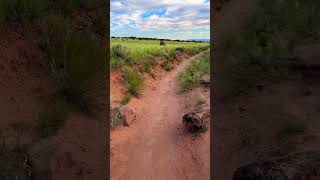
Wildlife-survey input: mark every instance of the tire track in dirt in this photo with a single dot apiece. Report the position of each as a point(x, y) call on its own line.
point(151, 148)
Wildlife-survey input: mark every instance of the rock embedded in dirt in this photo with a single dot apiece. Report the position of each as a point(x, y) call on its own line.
point(128, 115)
point(196, 121)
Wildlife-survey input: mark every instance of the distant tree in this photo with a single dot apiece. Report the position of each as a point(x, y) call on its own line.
point(162, 43)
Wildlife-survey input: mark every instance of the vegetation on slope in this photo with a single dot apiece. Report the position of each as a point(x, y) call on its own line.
point(130, 55)
point(191, 75)
point(137, 51)
point(260, 52)
point(73, 57)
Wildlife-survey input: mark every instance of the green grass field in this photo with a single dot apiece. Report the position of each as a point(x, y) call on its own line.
point(127, 54)
point(134, 51)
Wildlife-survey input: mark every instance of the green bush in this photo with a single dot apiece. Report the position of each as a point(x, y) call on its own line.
point(120, 52)
point(166, 65)
point(119, 56)
point(73, 58)
point(125, 99)
point(192, 74)
point(179, 49)
point(133, 80)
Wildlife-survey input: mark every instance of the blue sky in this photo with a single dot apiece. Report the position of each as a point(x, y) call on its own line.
point(172, 19)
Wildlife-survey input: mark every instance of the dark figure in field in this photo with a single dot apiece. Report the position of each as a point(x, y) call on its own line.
point(162, 43)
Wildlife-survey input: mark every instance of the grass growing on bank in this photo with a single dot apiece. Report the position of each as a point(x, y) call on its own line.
point(139, 52)
point(191, 75)
point(72, 57)
point(261, 50)
point(133, 80)
point(126, 53)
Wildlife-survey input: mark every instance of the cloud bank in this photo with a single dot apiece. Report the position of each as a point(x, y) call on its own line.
point(173, 19)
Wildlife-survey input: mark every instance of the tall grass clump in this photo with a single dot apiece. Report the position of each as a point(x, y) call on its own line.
point(191, 75)
point(148, 62)
point(133, 80)
point(120, 55)
point(72, 57)
point(260, 51)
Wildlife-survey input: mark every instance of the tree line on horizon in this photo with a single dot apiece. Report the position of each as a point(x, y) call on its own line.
point(146, 38)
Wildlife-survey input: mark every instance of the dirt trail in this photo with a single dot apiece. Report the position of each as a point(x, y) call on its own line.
point(155, 146)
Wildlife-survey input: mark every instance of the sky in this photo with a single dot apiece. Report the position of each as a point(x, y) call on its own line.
point(169, 19)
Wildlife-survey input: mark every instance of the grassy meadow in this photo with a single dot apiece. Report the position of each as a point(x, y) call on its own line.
point(135, 51)
point(143, 54)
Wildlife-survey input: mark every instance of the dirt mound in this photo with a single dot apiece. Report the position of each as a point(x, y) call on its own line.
point(26, 90)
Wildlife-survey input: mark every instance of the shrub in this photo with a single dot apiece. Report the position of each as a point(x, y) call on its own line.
point(120, 55)
point(120, 52)
point(125, 99)
point(192, 74)
point(166, 65)
point(162, 43)
point(72, 57)
point(133, 80)
point(179, 49)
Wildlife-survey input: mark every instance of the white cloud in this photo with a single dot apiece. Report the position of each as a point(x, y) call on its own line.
point(160, 15)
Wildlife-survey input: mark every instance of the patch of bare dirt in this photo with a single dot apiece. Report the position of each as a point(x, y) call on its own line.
point(26, 89)
point(156, 146)
point(25, 86)
point(117, 86)
point(271, 120)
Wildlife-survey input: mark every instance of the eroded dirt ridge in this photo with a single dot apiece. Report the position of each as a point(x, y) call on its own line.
point(155, 146)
